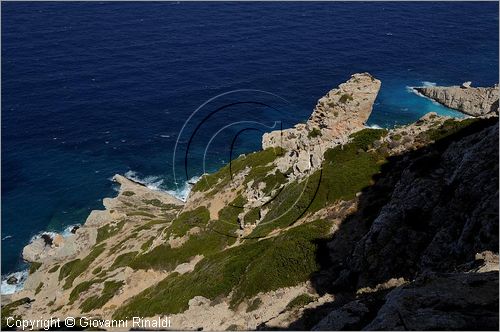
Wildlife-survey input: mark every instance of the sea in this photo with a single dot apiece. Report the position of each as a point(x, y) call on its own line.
point(166, 91)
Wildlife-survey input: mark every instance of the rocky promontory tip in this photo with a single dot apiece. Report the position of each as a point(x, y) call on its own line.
point(474, 101)
point(338, 114)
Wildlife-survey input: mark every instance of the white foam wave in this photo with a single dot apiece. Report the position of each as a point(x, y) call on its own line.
point(374, 126)
point(182, 193)
point(151, 181)
point(7, 288)
point(6, 237)
point(67, 231)
point(427, 83)
point(411, 89)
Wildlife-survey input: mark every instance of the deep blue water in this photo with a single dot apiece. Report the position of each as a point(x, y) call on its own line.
point(94, 89)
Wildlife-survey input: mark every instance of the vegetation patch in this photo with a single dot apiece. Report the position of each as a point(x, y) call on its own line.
point(54, 268)
point(156, 202)
point(345, 171)
point(71, 270)
point(300, 301)
point(96, 302)
point(109, 230)
point(396, 137)
point(146, 245)
point(39, 288)
point(315, 132)
point(252, 216)
point(247, 269)
point(80, 288)
point(345, 98)
point(254, 305)
point(262, 174)
point(189, 219)
point(34, 267)
point(447, 128)
point(140, 214)
point(128, 193)
point(9, 309)
point(124, 259)
point(212, 183)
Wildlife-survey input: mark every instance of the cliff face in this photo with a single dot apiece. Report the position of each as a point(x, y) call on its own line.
point(466, 99)
point(437, 229)
point(338, 114)
point(381, 229)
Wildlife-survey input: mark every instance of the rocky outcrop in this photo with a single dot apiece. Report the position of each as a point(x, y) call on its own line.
point(450, 301)
point(338, 114)
point(466, 99)
point(437, 231)
point(442, 211)
point(432, 302)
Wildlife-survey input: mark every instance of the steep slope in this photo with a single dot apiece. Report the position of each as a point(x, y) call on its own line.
point(258, 246)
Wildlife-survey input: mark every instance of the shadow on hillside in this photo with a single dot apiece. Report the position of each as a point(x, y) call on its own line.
point(338, 274)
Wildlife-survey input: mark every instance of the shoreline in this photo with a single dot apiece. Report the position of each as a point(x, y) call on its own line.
point(468, 100)
point(151, 183)
point(9, 289)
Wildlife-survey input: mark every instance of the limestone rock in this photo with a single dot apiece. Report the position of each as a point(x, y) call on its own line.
point(58, 240)
point(338, 114)
point(345, 318)
point(458, 301)
point(436, 221)
point(466, 99)
point(34, 251)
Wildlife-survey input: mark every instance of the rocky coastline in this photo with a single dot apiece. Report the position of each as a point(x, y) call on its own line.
point(473, 101)
point(332, 226)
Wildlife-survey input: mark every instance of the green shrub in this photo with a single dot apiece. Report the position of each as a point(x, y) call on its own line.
point(247, 269)
point(254, 305)
point(345, 171)
point(156, 202)
point(128, 193)
point(96, 302)
point(252, 216)
point(212, 183)
point(146, 245)
point(396, 137)
point(108, 231)
point(364, 139)
point(315, 132)
point(345, 98)
point(39, 288)
point(299, 301)
point(54, 268)
point(189, 219)
point(34, 266)
point(71, 270)
point(9, 309)
point(123, 260)
point(80, 288)
point(447, 128)
point(140, 214)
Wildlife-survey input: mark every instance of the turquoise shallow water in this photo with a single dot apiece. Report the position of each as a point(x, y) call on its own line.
point(94, 89)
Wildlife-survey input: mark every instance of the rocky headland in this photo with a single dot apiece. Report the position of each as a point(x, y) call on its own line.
point(474, 101)
point(332, 226)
